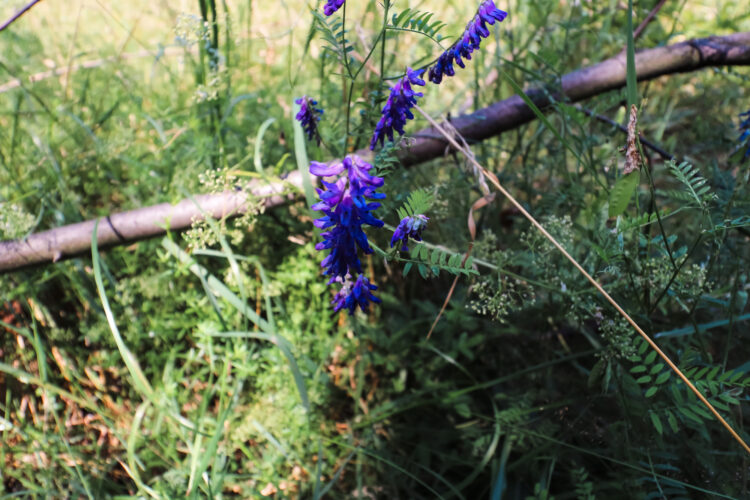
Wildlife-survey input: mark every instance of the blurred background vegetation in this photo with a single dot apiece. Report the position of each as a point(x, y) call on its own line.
point(222, 371)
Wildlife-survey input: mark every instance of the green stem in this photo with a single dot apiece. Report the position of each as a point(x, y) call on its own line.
point(385, 37)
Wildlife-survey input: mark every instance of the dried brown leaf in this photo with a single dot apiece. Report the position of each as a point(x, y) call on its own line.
point(632, 156)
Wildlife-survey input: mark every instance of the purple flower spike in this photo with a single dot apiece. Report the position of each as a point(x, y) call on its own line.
point(332, 6)
point(309, 116)
point(345, 210)
point(354, 294)
point(397, 108)
point(462, 48)
point(409, 227)
point(745, 129)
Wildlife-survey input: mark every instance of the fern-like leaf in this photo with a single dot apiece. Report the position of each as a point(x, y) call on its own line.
point(694, 183)
point(418, 22)
point(418, 202)
point(333, 33)
point(432, 261)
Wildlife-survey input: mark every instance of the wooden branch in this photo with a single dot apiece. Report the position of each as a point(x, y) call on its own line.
point(731, 50)
point(134, 225)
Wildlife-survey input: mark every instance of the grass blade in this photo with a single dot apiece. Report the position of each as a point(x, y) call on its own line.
point(631, 83)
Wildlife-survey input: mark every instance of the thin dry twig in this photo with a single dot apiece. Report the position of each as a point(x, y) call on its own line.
point(481, 202)
point(493, 179)
point(18, 14)
point(652, 146)
point(646, 21)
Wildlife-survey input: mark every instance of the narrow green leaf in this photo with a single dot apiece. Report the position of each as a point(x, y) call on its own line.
point(650, 358)
point(720, 405)
point(688, 414)
point(643, 346)
point(657, 422)
point(469, 264)
point(140, 382)
point(697, 408)
point(656, 368)
point(631, 78)
point(518, 90)
point(663, 377)
point(596, 372)
point(729, 398)
point(257, 159)
point(672, 421)
point(702, 372)
point(455, 260)
point(622, 192)
point(677, 394)
point(434, 256)
point(407, 268)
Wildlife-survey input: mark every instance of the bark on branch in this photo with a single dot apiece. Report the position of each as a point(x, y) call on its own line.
point(134, 225)
point(731, 50)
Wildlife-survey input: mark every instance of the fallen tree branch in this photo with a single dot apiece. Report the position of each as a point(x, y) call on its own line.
point(134, 225)
point(731, 50)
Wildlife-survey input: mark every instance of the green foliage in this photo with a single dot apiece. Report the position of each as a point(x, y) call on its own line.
point(622, 193)
point(228, 375)
point(333, 33)
point(695, 186)
point(418, 22)
point(430, 261)
point(419, 202)
point(14, 221)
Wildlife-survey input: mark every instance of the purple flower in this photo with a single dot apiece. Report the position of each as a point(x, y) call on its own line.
point(468, 43)
point(409, 227)
point(353, 294)
point(397, 108)
point(745, 129)
point(309, 116)
point(332, 6)
point(345, 209)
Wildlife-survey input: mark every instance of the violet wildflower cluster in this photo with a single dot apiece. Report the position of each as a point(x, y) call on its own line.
point(745, 129)
point(353, 294)
point(409, 227)
point(309, 116)
point(346, 208)
point(332, 6)
point(463, 47)
point(397, 108)
point(346, 201)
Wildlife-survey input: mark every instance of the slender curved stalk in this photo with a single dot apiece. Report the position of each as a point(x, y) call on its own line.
point(493, 179)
